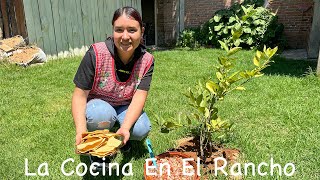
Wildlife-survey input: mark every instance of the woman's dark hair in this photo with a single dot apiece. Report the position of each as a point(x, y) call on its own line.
point(130, 12)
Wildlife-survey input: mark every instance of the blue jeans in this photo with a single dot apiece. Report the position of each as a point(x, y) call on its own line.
point(101, 115)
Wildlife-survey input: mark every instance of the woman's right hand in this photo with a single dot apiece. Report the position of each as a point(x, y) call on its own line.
point(78, 138)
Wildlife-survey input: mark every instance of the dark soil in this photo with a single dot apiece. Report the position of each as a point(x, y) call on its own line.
point(191, 147)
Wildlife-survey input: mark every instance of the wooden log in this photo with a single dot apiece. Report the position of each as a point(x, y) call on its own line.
point(1, 24)
point(12, 19)
point(5, 18)
point(21, 21)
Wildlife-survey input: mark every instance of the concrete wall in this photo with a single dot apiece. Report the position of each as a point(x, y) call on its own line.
point(314, 38)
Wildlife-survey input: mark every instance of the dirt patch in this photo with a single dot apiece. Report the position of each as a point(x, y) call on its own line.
point(191, 147)
point(24, 55)
point(13, 42)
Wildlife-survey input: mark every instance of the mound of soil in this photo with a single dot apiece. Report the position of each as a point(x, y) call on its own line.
point(191, 147)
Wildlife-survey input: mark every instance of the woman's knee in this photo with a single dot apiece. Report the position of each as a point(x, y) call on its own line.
point(100, 115)
point(141, 128)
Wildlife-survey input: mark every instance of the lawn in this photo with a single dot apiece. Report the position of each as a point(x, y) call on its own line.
point(277, 116)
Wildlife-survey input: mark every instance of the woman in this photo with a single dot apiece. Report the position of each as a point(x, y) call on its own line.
point(113, 80)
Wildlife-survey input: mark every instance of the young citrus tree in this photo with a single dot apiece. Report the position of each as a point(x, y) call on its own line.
point(207, 93)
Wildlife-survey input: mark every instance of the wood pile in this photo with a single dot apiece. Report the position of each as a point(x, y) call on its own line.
point(16, 51)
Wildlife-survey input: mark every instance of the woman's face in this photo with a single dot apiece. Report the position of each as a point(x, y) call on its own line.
point(127, 34)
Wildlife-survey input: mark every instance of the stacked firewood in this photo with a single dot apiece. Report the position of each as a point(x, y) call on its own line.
point(16, 51)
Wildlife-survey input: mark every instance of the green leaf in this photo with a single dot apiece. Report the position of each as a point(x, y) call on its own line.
point(170, 125)
point(236, 34)
point(258, 75)
point(257, 22)
point(217, 28)
point(240, 88)
point(237, 42)
point(208, 126)
point(203, 103)
point(237, 26)
point(212, 87)
point(201, 110)
point(244, 74)
point(223, 45)
point(207, 112)
point(219, 76)
point(213, 123)
point(256, 61)
point(225, 30)
point(258, 54)
point(251, 73)
point(272, 51)
point(234, 50)
point(211, 20)
point(232, 19)
point(217, 18)
point(249, 41)
point(222, 60)
point(215, 111)
point(247, 30)
point(245, 10)
point(199, 99)
point(233, 78)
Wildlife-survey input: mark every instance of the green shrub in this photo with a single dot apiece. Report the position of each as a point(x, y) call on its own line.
point(187, 38)
point(253, 27)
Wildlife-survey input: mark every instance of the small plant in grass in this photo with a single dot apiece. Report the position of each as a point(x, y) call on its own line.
point(187, 38)
point(208, 92)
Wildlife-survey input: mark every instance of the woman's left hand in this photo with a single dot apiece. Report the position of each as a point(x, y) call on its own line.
point(125, 133)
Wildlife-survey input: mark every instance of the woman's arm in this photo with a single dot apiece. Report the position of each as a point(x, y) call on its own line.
point(79, 102)
point(134, 111)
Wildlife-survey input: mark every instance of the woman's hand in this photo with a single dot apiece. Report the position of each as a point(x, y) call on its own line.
point(78, 138)
point(125, 133)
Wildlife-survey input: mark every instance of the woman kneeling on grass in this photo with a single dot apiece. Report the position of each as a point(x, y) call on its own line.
point(113, 80)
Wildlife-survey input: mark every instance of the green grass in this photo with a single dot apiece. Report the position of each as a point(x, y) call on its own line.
point(277, 116)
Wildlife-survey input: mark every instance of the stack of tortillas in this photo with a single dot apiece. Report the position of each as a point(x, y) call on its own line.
point(99, 143)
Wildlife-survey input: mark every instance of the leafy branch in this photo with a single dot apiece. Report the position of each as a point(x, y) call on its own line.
point(204, 96)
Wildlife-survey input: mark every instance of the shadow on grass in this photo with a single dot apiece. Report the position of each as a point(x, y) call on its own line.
point(296, 68)
point(138, 150)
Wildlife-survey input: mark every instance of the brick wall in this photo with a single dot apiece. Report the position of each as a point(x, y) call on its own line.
point(168, 10)
point(160, 21)
point(199, 11)
point(296, 15)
